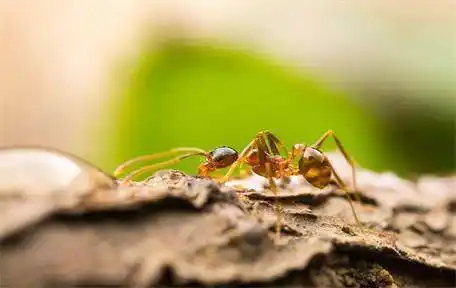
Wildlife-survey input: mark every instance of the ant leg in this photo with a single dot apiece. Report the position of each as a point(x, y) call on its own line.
point(263, 161)
point(341, 148)
point(124, 165)
point(344, 187)
point(273, 187)
point(259, 141)
point(267, 143)
point(244, 173)
point(153, 167)
point(240, 160)
point(275, 143)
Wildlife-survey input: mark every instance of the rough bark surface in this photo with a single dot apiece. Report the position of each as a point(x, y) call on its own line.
point(178, 230)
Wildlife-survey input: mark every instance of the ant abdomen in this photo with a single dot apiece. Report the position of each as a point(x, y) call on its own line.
point(315, 168)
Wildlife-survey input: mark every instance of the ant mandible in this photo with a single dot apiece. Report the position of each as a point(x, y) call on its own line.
point(262, 154)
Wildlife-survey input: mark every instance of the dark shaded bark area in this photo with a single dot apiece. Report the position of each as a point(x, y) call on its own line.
point(177, 230)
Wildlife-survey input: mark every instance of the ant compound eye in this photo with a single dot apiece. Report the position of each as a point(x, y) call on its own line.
point(223, 156)
point(313, 155)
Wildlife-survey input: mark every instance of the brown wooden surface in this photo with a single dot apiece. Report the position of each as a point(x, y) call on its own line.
point(176, 230)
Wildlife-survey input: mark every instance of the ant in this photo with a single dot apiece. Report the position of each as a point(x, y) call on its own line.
point(263, 156)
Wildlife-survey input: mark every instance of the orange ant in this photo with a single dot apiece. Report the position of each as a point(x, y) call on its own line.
point(262, 154)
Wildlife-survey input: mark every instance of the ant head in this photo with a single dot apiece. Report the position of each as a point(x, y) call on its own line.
point(315, 167)
point(222, 157)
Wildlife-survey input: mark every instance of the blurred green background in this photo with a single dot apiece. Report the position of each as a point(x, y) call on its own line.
point(187, 94)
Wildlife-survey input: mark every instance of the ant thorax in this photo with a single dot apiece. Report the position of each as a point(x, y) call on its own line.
point(279, 166)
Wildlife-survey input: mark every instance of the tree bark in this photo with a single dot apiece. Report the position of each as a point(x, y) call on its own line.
point(178, 230)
